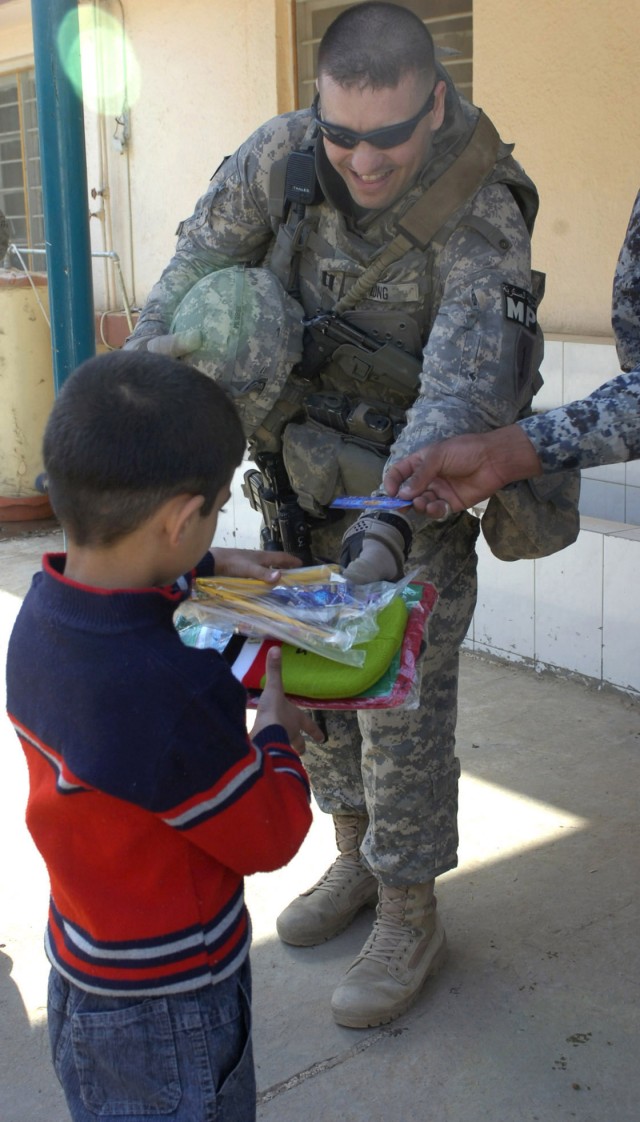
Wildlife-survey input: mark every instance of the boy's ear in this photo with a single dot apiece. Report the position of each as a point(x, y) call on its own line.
point(183, 509)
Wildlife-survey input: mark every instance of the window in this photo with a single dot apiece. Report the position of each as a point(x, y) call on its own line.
point(449, 21)
point(20, 181)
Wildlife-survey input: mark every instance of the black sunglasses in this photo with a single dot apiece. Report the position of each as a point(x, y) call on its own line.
point(388, 137)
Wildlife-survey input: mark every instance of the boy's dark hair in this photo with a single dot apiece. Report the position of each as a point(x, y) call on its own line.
point(130, 430)
point(375, 45)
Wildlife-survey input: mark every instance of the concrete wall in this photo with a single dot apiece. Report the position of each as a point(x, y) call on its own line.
point(561, 79)
point(16, 44)
point(206, 82)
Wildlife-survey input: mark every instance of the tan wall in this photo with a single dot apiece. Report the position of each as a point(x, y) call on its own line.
point(561, 79)
point(16, 42)
point(558, 77)
point(208, 80)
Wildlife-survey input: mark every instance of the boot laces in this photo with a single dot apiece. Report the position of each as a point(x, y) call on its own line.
point(344, 870)
point(389, 935)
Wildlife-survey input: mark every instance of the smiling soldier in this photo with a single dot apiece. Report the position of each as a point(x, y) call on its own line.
point(391, 215)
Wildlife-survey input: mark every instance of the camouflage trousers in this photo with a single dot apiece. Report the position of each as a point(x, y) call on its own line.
point(399, 767)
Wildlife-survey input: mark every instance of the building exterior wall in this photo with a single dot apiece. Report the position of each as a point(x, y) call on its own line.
point(16, 44)
point(207, 80)
point(562, 81)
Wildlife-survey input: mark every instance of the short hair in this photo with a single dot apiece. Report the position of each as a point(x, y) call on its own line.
point(130, 430)
point(375, 45)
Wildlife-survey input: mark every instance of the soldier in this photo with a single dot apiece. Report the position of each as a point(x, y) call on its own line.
point(603, 428)
point(625, 316)
point(326, 200)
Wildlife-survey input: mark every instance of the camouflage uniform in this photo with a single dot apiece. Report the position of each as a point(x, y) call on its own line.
point(398, 767)
point(604, 428)
point(625, 315)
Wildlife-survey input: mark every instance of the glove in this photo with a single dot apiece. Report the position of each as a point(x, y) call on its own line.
point(376, 548)
point(175, 346)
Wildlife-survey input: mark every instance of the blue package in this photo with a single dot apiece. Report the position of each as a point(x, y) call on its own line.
point(369, 502)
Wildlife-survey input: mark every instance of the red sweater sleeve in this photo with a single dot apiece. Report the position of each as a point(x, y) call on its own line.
point(258, 814)
point(244, 802)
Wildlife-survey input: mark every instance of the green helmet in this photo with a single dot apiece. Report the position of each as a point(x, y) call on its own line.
point(250, 337)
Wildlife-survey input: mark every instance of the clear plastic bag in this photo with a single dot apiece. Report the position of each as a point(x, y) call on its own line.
point(314, 608)
point(399, 686)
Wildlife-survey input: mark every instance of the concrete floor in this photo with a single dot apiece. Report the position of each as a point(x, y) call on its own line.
point(534, 1019)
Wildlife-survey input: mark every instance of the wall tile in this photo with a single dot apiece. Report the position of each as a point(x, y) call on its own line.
point(587, 366)
point(568, 607)
point(621, 613)
point(239, 526)
point(604, 500)
point(632, 477)
point(632, 505)
point(601, 525)
point(503, 619)
point(629, 533)
point(607, 473)
point(551, 393)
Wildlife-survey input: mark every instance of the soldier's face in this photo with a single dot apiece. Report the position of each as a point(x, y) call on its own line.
point(376, 176)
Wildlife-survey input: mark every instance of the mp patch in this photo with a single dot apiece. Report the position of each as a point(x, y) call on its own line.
point(519, 306)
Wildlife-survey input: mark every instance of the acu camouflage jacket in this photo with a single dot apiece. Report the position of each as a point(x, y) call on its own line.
point(468, 294)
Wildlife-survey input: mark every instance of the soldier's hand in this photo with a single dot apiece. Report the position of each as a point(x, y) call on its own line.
point(375, 548)
point(175, 346)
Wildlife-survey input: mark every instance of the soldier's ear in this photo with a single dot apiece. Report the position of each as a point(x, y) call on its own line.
point(437, 113)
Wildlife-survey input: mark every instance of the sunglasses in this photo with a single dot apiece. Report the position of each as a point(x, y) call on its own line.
point(388, 137)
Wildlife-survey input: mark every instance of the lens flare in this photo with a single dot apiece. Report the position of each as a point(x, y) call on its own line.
point(99, 60)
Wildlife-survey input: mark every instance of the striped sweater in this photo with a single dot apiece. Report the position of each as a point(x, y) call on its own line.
point(147, 799)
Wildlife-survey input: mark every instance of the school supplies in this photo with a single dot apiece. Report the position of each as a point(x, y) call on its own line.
point(388, 675)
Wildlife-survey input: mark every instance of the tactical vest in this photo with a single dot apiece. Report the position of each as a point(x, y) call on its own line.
point(388, 283)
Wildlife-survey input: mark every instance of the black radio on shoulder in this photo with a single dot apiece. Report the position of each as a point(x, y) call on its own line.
point(301, 185)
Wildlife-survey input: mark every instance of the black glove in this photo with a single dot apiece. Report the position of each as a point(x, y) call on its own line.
point(375, 548)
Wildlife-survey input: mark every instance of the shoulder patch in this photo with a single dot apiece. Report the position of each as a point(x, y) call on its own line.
point(519, 306)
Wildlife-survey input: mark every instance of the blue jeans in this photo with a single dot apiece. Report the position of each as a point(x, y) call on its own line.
point(180, 1058)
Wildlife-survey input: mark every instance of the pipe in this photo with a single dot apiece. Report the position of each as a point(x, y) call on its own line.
point(64, 191)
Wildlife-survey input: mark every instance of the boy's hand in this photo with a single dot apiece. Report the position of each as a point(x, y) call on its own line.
point(258, 564)
point(275, 709)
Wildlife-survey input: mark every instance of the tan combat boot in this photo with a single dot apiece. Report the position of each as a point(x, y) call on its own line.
point(407, 944)
point(330, 905)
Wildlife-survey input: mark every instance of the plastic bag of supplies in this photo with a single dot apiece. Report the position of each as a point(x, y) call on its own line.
point(343, 646)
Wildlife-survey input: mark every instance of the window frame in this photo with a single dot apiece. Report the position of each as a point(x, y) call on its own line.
point(447, 28)
point(30, 232)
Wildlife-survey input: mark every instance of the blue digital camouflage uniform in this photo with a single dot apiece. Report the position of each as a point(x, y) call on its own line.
point(625, 314)
point(604, 428)
point(467, 298)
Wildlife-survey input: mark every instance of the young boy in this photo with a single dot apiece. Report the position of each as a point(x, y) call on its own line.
point(148, 800)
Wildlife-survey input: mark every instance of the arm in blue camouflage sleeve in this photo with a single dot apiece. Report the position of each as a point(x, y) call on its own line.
point(625, 314)
point(476, 374)
point(230, 224)
point(603, 428)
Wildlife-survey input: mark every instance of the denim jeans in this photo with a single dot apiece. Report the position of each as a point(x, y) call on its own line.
point(180, 1058)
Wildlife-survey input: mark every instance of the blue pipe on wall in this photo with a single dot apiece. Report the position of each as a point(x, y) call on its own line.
point(64, 191)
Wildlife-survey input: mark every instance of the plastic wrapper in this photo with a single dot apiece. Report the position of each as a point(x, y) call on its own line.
point(398, 687)
point(313, 608)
